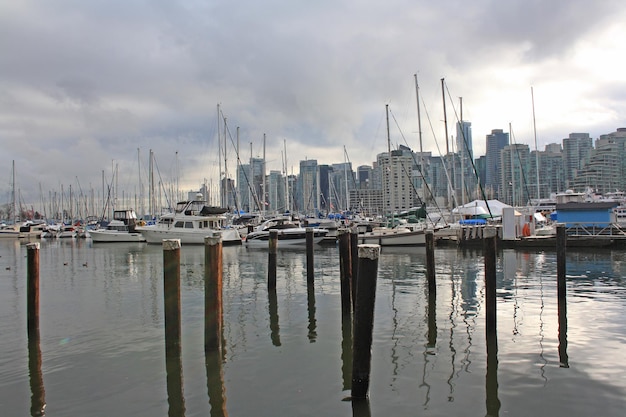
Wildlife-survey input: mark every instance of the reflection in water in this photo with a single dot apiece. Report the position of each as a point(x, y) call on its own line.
point(346, 351)
point(311, 309)
point(38, 397)
point(491, 384)
point(273, 307)
point(563, 358)
point(174, 369)
point(215, 383)
point(361, 407)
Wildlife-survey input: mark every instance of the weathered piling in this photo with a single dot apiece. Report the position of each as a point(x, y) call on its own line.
point(32, 287)
point(171, 294)
point(38, 393)
point(345, 271)
point(561, 244)
point(271, 263)
point(490, 279)
point(430, 261)
point(354, 257)
point(364, 319)
point(213, 311)
point(310, 271)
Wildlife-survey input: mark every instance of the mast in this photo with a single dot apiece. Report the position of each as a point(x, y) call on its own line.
point(389, 173)
point(445, 124)
point(345, 176)
point(13, 201)
point(219, 157)
point(419, 131)
point(263, 173)
point(512, 170)
point(238, 189)
point(462, 152)
point(532, 95)
point(287, 198)
point(225, 182)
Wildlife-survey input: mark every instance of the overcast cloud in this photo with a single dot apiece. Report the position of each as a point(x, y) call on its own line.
point(84, 85)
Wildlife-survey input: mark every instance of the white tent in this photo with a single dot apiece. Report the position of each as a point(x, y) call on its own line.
point(479, 208)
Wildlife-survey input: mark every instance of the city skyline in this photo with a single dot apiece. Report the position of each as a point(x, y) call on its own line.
point(86, 84)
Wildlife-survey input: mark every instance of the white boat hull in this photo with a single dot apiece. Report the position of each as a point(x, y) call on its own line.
point(114, 236)
point(156, 234)
point(393, 237)
point(286, 237)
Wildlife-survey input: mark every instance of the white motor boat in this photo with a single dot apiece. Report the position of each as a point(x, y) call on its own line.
point(289, 233)
point(191, 222)
point(402, 235)
point(121, 229)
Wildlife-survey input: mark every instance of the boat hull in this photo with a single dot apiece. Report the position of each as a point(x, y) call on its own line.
point(113, 236)
point(156, 235)
point(393, 237)
point(286, 237)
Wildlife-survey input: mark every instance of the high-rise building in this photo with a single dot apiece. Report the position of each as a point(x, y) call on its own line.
point(576, 151)
point(496, 141)
point(307, 188)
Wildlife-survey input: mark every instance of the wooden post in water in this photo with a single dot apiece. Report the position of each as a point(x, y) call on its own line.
point(171, 295)
point(38, 398)
point(430, 261)
point(561, 267)
point(345, 271)
point(310, 271)
point(32, 287)
point(354, 251)
point(364, 319)
point(213, 310)
point(171, 292)
point(490, 279)
point(271, 264)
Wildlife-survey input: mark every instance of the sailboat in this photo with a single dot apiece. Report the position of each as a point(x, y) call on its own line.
point(404, 234)
point(11, 230)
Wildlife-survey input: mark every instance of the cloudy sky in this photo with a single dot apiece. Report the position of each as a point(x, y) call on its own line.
point(87, 86)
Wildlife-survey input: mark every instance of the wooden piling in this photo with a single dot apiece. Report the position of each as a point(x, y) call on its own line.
point(430, 261)
point(364, 319)
point(38, 393)
point(490, 279)
point(561, 267)
point(354, 257)
point(345, 271)
point(213, 310)
point(310, 268)
point(271, 264)
point(32, 287)
point(171, 294)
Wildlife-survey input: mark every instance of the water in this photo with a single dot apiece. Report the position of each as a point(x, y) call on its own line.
point(102, 339)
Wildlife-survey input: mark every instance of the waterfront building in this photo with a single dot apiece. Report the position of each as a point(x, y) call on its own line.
point(276, 192)
point(576, 151)
point(551, 172)
point(465, 178)
point(398, 172)
point(605, 167)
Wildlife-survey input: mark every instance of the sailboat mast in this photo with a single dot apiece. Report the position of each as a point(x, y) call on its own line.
point(419, 131)
point(13, 201)
point(532, 95)
point(219, 157)
point(445, 124)
point(225, 183)
point(389, 173)
point(263, 173)
point(345, 176)
point(462, 152)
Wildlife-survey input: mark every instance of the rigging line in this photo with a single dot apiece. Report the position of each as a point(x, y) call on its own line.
point(519, 159)
point(257, 201)
point(419, 170)
point(432, 130)
point(480, 186)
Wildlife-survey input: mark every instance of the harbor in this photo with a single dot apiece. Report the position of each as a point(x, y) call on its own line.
point(102, 345)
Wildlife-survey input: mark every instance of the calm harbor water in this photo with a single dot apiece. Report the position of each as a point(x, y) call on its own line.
point(102, 344)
